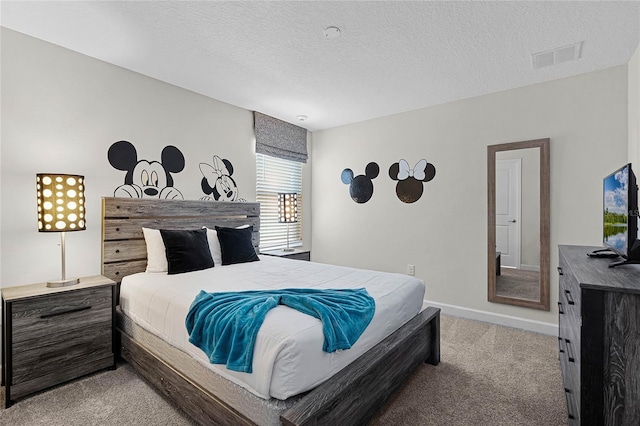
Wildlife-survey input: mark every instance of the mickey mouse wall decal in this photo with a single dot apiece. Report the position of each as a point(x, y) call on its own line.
point(410, 181)
point(361, 187)
point(146, 179)
point(217, 182)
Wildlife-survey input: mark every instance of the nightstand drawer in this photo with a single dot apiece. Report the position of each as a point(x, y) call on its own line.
point(39, 357)
point(57, 314)
point(296, 254)
point(300, 256)
point(71, 370)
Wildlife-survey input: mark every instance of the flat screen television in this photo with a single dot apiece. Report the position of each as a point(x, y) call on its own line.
point(620, 215)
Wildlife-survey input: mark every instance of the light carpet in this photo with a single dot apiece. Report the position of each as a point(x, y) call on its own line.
point(488, 375)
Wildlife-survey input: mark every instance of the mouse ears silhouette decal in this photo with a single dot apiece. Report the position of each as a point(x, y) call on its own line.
point(410, 180)
point(361, 186)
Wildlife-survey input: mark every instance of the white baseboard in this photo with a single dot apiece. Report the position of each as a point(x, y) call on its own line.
point(493, 318)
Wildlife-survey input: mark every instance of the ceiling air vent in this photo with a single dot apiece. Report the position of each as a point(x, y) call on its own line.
point(556, 56)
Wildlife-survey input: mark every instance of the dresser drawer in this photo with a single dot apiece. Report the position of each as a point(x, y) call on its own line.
point(571, 382)
point(571, 302)
point(570, 295)
point(573, 412)
point(570, 360)
point(569, 321)
point(53, 316)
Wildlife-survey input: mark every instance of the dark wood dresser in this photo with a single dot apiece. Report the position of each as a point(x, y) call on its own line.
point(599, 338)
point(52, 335)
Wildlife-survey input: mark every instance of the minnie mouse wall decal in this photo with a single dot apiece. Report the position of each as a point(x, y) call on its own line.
point(217, 182)
point(361, 186)
point(410, 181)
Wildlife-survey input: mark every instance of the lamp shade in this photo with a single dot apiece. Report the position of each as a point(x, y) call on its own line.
point(61, 206)
point(287, 207)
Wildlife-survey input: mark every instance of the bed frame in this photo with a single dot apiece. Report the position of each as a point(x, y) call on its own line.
point(352, 396)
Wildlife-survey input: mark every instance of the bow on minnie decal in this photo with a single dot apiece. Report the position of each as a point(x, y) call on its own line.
point(409, 187)
point(417, 172)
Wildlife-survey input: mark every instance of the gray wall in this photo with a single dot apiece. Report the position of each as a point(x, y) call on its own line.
point(61, 111)
point(634, 111)
point(444, 233)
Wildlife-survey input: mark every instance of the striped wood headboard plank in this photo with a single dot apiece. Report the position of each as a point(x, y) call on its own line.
point(124, 251)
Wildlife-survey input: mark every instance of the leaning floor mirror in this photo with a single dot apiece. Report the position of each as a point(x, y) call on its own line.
point(518, 223)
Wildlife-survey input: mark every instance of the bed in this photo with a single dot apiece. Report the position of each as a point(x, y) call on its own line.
point(355, 389)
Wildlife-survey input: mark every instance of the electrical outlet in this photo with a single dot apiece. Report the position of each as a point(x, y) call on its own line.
point(411, 269)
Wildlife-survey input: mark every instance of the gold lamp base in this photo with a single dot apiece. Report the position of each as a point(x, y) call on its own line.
point(63, 283)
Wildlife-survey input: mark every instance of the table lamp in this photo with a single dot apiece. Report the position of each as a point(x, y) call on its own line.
point(61, 208)
point(287, 211)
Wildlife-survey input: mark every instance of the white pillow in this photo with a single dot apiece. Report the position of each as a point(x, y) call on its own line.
point(156, 253)
point(214, 247)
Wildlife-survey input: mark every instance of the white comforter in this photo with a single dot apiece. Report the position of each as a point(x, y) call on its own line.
point(288, 357)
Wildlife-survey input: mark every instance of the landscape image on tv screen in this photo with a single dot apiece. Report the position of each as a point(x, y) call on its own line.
point(616, 208)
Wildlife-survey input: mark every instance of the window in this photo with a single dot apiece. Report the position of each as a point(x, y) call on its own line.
point(274, 175)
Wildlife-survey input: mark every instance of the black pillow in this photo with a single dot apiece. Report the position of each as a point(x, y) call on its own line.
point(186, 250)
point(236, 245)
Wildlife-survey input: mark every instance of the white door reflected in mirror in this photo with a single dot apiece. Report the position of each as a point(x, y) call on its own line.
point(508, 202)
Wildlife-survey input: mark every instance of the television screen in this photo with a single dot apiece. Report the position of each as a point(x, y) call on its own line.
point(616, 210)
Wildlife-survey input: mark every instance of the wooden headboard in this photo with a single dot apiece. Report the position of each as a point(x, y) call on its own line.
point(124, 251)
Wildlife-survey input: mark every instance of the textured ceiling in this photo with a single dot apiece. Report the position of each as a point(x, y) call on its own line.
point(391, 57)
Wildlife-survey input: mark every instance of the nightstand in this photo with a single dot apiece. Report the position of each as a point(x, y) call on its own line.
point(297, 254)
point(53, 335)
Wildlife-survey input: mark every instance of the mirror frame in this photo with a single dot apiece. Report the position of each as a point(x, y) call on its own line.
point(544, 302)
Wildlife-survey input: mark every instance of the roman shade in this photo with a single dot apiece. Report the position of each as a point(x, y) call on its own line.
point(279, 139)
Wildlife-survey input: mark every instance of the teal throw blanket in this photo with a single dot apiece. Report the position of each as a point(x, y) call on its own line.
point(225, 325)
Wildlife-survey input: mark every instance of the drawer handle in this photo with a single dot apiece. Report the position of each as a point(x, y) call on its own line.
point(560, 271)
point(55, 314)
point(569, 297)
point(560, 309)
point(570, 408)
point(560, 348)
point(570, 351)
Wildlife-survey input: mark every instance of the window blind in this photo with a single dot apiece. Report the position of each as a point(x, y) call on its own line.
point(279, 139)
point(274, 175)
